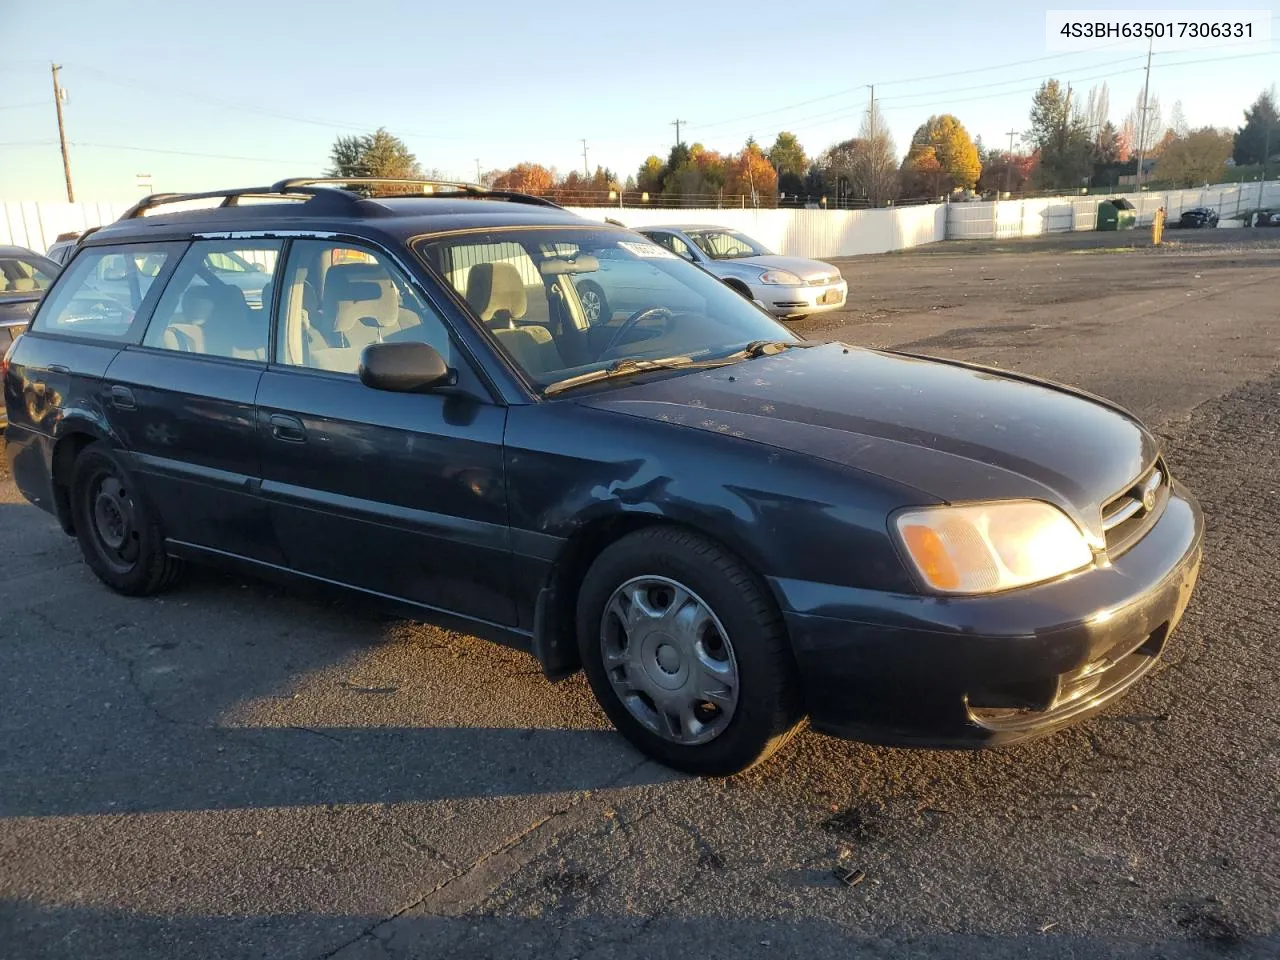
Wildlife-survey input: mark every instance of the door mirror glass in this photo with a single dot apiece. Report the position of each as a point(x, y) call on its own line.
point(404, 367)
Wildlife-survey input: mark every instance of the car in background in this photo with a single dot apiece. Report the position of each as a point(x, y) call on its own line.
point(24, 277)
point(65, 245)
point(790, 288)
point(1267, 218)
point(1198, 217)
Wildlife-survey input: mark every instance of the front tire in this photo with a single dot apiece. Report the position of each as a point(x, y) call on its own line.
point(119, 535)
point(687, 653)
point(594, 303)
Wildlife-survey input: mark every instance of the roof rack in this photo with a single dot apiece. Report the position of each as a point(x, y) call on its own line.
point(311, 184)
point(331, 189)
point(230, 198)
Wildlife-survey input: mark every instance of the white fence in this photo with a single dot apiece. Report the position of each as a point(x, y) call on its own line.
point(804, 233)
point(1029, 218)
point(800, 233)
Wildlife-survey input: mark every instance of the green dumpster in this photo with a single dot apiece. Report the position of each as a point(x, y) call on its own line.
point(1117, 214)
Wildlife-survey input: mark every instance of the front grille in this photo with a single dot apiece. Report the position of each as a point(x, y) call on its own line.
point(1127, 516)
point(823, 281)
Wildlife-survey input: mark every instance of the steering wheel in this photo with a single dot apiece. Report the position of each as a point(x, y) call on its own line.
point(635, 320)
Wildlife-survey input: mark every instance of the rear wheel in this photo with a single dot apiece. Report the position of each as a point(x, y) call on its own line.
point(119, 535)
point(687, 653)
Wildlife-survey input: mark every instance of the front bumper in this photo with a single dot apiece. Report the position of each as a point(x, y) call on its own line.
point(801, 300)
point(915, 670)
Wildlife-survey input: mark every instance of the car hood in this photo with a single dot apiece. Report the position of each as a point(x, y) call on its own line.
point(802, 268)
point(951, 431)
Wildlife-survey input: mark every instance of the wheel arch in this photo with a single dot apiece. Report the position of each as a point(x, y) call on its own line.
point(554, 636)
point(74, 436)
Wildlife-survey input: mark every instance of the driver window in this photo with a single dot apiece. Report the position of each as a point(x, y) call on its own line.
point(338, 299)
point(674, 244)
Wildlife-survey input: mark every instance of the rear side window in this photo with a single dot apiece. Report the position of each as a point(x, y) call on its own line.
point(218, 302)
point(105, 290)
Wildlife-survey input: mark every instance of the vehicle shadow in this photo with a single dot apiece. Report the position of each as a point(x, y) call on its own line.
point(230, 693)
point(561, 929)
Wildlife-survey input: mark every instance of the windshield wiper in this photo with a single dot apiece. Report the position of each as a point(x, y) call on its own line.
point(619, 368)
point(763, 348)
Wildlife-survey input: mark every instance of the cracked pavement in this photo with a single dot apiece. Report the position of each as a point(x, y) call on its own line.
point(239, 770)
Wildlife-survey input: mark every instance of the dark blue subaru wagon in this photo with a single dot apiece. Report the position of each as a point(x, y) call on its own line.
point(727, 527)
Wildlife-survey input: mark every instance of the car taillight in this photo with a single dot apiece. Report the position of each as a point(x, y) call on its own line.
point(4, 362)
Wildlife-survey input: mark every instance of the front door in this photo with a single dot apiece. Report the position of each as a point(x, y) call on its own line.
point(183, 400)
point(398, 494)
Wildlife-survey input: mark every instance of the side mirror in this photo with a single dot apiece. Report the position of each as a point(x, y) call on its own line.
point(405, 367)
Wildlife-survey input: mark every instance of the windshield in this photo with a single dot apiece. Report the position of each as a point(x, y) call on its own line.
point(22, 275)
point(566, 301)
point(726, 244)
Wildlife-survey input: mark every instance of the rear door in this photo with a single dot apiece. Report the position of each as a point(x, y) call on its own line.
point(57, 369)
point(183, 402)
point(399, 494)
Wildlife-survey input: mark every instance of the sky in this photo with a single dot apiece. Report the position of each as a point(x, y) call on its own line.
point(202, 96)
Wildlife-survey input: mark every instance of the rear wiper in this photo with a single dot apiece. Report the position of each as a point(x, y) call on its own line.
point(619, 368)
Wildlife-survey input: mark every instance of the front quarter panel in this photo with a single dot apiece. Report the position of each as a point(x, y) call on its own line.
point(787, 515)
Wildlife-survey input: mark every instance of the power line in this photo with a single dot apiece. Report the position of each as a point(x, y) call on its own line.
point(22, 106)
point(185, 153)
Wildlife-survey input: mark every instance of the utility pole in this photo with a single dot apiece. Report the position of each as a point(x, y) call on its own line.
point(479, 175)
point(873, 175)
point(676, 124)
point(58, 94)
point(1142, 123)
point(586, 172)
point(1008, 168)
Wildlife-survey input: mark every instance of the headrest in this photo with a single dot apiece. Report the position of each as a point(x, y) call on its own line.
point(354, 291)
point(494, 287)
point(198, 304)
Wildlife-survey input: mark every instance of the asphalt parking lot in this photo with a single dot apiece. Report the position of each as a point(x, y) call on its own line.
point(236, 770)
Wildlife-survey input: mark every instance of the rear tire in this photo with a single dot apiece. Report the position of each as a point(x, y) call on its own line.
point(119, 534)
point(741, 658)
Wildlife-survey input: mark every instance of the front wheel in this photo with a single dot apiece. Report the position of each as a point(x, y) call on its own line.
point(594, 303)
point(687, 653)
point(119, 536)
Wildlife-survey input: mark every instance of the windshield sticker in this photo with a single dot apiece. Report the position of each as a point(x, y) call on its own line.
point(650, 251)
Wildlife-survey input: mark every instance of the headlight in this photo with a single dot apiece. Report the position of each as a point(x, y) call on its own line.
point(988, 547)
point(780, 276)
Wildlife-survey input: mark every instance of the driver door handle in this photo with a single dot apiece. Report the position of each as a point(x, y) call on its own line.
point(286, 428)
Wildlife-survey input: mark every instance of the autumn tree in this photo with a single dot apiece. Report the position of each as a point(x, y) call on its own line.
point(1198, 158)
point(750, 174)
point(1004, 171)
point(649, 176)
point(525, 178)
point(942, 158)
point(377, 154)
point(1260, 135)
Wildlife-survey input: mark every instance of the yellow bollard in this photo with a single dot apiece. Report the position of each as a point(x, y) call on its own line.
point(1157, 227)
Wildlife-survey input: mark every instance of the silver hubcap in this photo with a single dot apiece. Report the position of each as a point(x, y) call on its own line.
point(590, 304)
point(669, 660)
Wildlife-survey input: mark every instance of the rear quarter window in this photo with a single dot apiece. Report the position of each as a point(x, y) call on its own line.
point(106, 292)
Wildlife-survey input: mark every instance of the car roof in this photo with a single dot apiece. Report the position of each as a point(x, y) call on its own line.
point(687, 226)
point(7, 250)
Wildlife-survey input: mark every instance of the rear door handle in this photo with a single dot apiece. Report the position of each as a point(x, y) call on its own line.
point(59, 368)
point(122, 398)
point(289, 429)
